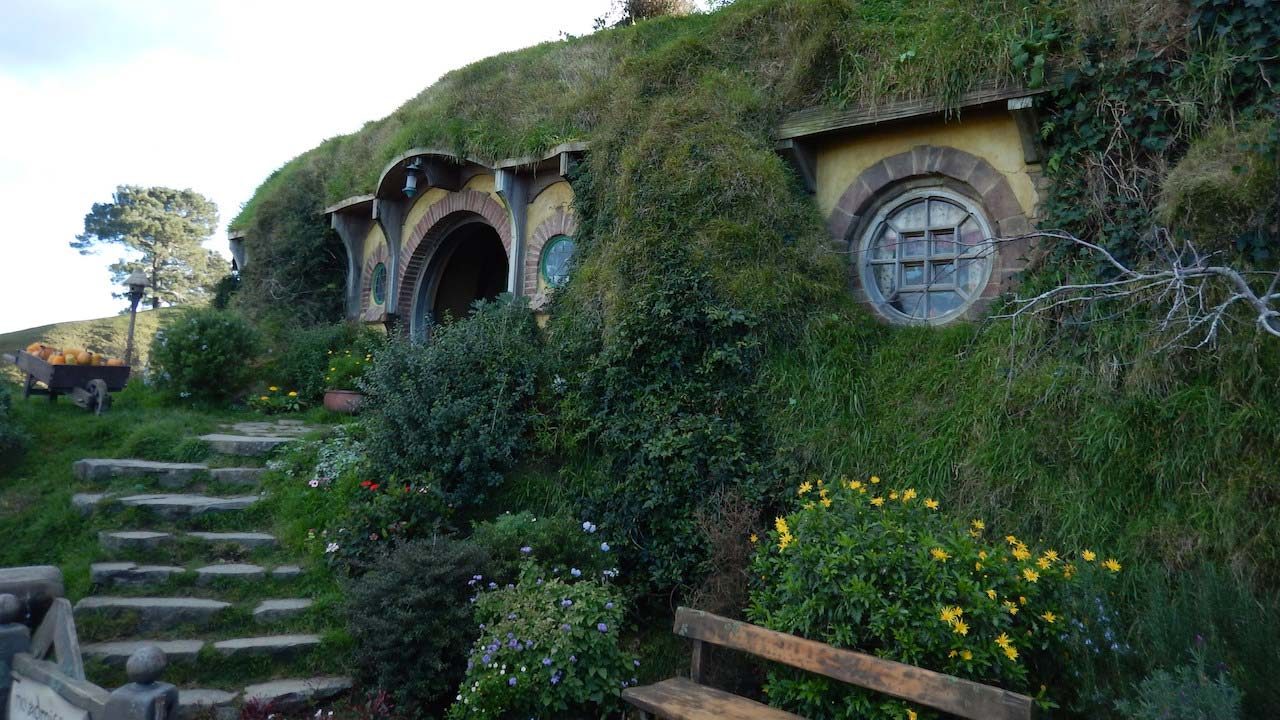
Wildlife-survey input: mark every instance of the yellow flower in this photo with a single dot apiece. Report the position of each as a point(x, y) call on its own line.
point(1043, 563)
point(978, 525)
point(805, 487)
point(875, 480)
point(293, 393)
point(780, 524)
point(893, 494)
point(784, 540)
point(991, 594)
point(982, 554)
point(1011, 539)
point(908, 495)
point(1003, 640)
point(1111, 565)
point(856, 484)
point(877, 501)
point(1089, 555)
point(911, 715)
point(1068, 570)
point(931, 503)
point(809, 505)
point(333, 369)
point(1051, 555)
point(264, 397)
point(939, 554)
point(977, 566)
point(822, 492)
point(1011, 606)
point(1049, 617)
point(952, 654)
point(960, 627)
point(826, 502)
point(1020, 552)
point(1022, 599)
point(754, 538)
point(966, 655)
point(1030, 575)
point(1011, 652)
point(951, 614)
point(273, 388)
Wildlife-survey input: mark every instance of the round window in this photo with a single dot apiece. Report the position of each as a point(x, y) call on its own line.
point(926, 257)
point(380, 284)
point(555, 260)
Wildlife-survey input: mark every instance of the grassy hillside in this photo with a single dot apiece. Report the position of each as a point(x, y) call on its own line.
point(104, 335)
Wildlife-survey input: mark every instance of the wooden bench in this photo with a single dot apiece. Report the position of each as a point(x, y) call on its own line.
point(681, 699)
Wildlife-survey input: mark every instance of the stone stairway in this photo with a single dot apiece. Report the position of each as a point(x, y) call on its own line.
point(183, 563)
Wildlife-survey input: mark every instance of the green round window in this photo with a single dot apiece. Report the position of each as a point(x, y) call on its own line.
point(380, 284)
point(556, 257)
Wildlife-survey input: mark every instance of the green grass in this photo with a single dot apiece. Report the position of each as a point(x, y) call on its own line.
point(107, 335)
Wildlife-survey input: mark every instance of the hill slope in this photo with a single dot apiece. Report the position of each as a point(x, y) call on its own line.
point(105, 335)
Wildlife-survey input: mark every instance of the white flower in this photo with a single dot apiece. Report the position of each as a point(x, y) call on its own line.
point(331, 548)
point(314, 483)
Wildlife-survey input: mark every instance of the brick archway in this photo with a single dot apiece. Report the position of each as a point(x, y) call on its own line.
point(369, 310)
point(428, 233)
point(561, 223)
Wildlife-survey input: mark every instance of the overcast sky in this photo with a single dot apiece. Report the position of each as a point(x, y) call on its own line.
point(201, 94)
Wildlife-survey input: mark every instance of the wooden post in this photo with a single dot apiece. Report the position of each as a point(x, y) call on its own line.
point(698, 661)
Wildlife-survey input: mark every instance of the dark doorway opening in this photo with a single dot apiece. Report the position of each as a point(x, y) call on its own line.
point(474, 269)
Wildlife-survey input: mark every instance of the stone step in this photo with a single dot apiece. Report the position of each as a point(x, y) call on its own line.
point(174, 506)
point(118, 540)
point(127, 573)
point(276, 647)
point(277, 428)
point(196, 703)
point(286, 572)
point(219, 572)
point(246, 540)
point(151, 613)
point(247, 476)
point(244, 445)
point(272, 611)
point(170, 475)
point(118, 652)
point(291, 696)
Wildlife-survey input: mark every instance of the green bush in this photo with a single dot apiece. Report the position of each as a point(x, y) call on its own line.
point(13, 440)
point(1190, 692)
point(884, 571)
point(301, 357)
point(206, 356)
point(456, 408)
point(547, 649)
point(412, 623)
point(557, 543)
point(274, 401)
point(346, 369)
point(380, 514)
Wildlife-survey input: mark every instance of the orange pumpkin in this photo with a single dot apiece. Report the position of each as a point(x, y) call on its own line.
point(58, 360)
point(46, 353)
point(115, 362)
point(34, 348)
point(84, 357)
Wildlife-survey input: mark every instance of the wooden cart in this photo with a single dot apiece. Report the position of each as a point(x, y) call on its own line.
point(89, 386)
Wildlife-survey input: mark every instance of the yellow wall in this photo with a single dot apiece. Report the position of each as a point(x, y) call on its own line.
point(992, 136)
point(558, 196)
point(483, 183)
point(374, 240)
point(419, 209)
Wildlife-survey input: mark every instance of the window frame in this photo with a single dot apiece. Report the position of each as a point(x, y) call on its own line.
point(546, 253)
point(373, 284)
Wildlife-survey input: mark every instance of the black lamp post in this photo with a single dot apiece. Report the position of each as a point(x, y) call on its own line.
point(137, 284)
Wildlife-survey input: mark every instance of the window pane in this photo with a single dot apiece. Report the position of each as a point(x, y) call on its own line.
point(944, 214)
point(943, 273)
point(910, 217)
point(910, 304)
point(912, 245)
point(969, 274)
point(941, 303)
point(971, 233)
point(944, 242)
point(886, 277)
point(913, 274)
point(886, 244)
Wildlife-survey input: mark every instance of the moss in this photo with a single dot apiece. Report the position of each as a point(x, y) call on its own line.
point(1227, 184)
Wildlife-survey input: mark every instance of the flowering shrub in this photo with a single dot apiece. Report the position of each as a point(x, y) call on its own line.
point(560, 545)
point(275, 401)
point(300, 358)
point(884, 571)
point(411, 622)
point(548, 649)
point(379, 514)
point(346, 369)
point(205, 356)
point(1193, 691)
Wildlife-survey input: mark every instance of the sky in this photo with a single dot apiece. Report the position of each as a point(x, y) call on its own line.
point(205, 95)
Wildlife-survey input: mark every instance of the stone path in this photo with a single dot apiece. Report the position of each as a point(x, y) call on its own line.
point(159, 580)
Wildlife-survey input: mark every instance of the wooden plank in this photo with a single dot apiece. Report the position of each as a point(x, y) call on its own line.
point(681, 699)
point(56, 635)
point(954, 695)
point(81, 693)
point(815, 121)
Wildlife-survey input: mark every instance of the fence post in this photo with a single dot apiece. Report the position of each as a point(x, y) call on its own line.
point(14, 638)
point(145, 697)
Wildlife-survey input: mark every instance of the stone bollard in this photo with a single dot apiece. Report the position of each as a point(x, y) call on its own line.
point(14, 638)
point(145, 697)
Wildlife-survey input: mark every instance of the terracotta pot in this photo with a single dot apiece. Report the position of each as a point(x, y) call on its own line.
point(343, 401)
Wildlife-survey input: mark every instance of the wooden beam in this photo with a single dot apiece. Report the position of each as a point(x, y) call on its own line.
point(949, 694)
point(1023, 110)
point(817, 121)
point(801, 156)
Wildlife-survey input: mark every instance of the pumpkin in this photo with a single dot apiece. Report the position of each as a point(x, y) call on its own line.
point(46, 353)
point(34, 348)
point(84, 357)
point(115, 362)
point(58, 360)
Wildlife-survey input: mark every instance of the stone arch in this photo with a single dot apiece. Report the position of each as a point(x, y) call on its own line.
point(381, 255)
point(428, 233)
point(926, 165)
point(560, 223)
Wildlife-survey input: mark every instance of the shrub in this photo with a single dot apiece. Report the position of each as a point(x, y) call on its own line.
point(345, 370)
point(457, 407)
point(302, 356)
point(558, 544)
point(883, 571)
point(274, 401)
point(378, 515)
point(205, 356)
point(12, 439)
point(547, 649)
point(411, 621)
point(1190, 692)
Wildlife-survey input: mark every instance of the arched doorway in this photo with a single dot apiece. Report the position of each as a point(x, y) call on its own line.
point(469, 264)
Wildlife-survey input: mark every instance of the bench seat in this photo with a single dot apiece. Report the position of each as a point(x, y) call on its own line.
point(681, 699)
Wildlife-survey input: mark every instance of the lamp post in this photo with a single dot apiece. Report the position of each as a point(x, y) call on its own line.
point(412, 169)
point(137, 283)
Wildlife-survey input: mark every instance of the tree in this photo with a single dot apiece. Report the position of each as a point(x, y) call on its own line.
point(168, 228)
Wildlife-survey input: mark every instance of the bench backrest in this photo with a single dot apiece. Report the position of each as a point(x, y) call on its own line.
point(964, 698)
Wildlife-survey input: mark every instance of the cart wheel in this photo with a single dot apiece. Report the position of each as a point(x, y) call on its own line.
point(101, 396)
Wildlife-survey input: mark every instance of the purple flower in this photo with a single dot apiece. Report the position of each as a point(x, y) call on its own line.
point(546, 662)
point(604, 547)
point(636, 662)
point(526, 550)
point(486, 659)
point(573, 658)
point(493, 586)
point(575, 572)
point(511, 681)
point(511, 616)
point(565, 627)
point(608, 606)
point(602, 627)
point(555, 678)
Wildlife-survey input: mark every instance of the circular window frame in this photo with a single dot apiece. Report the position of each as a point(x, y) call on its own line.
point(870, 231)
point(374, 290)
point(546, 254)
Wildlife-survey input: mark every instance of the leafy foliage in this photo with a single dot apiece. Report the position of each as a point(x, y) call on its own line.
point(411, 621)
point(299, 357)
point(547, 648)
point(12, 438)
point(1188, 692)
point(346, 369)
point(205, 356)
point(456, 409)
point(167, 227)
point(558, 544)
point(378, 515)
point(884, 571)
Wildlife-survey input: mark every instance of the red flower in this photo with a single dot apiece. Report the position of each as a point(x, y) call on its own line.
point(374, 487)
point(365, 483)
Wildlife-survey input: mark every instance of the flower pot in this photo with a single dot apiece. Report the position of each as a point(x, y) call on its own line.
point(343, 401)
